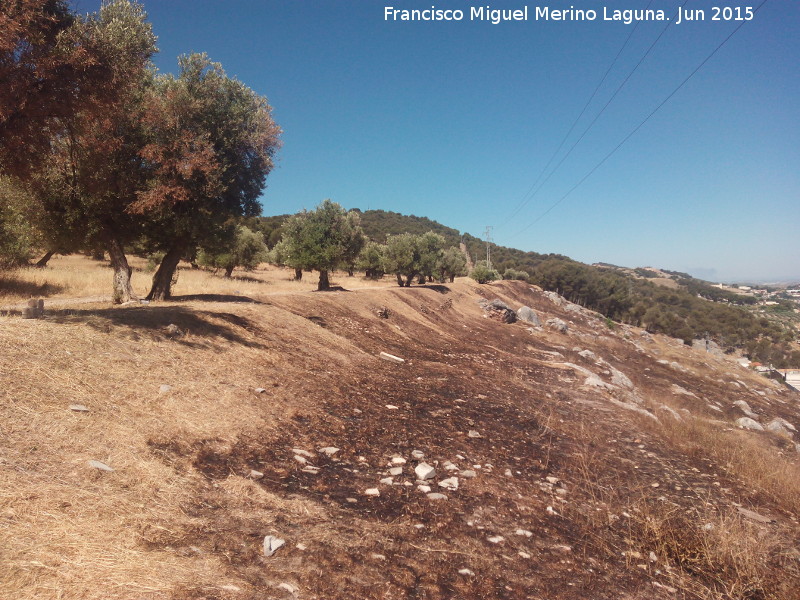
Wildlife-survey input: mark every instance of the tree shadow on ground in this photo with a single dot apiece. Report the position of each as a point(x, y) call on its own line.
point(215, 298)
point(159, 322)
point(334, 288)
point(436, 287)
point(25, 289)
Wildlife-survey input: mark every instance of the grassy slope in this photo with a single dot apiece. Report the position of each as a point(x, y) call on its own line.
point(180, 518)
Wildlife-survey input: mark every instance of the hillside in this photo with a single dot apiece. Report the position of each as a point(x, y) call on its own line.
point(577, 460)
point(661, 301)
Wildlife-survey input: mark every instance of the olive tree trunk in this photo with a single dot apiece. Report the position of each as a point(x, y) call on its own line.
point(324, 283)
point(298, 274)
point(228, 271)
point(123, 292)
point(42, 262)
point(399, 279)
point(162, 280)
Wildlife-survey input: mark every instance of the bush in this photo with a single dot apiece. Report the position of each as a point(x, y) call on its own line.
point(483, 274)
point(515, 275)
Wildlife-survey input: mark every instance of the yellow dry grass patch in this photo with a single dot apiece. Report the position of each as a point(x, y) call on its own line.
point(77, 276)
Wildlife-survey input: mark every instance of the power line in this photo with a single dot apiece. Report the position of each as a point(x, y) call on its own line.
point(638, 127)
point(574, 123)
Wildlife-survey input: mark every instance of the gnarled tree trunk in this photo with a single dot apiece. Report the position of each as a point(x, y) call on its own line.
point(42, 262)
point(324, 283)
point(298, 274)
point(409, 279)
point(123, 292)
point(162, 280)
point(399, 279)
point(228, 271)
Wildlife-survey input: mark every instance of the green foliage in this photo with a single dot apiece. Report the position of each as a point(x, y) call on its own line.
point(452, 264)
point(370, 260)
point(408, 255)
point(379, 224)
point(516, 275)
point(483, 274)
point(17, 238)
point(246, 250)
point(322, 239)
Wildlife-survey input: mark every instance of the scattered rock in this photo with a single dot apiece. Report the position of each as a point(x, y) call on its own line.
point(302, 452)
point(558, 325)
point(424, 471)
point(395, 471)
point(272, 544)
point(524, 313)
point(372, 492)
point(391, 407)
point(465, 572)
point(745, 408)
point(436, 496)
point(288, 587)
point(753, 516)
point(391, 357)
point(468, 474)
point(78, 408)
point(253, 474)
point(523, 532)
point(473, 434)
point(260, 390)
point(424, 488)
point(301, 459)
point(376, 556)
point(619, 379)
point(417, 454)
point(496, 539)
point(588, 355)
point(779, 426)
point(329, 450)
point(554, 298)
point(450, 483)
point(398, 460)
point(310, 469)
point(100, 466)
point(499, 310)
point(523, 554)
point(387, 481)
point(748, 423)
point(173, 330)
point(164, 388)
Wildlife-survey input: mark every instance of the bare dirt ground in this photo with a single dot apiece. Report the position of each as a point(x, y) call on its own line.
point(608, 474)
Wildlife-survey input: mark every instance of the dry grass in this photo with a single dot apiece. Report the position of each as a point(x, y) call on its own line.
point(76, 276)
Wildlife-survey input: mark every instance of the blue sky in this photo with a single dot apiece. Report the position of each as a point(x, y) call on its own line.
point(456, 120)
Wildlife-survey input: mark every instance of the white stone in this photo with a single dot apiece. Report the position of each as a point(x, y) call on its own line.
point(465, 572)
point(255, 474)
point(424, 488)
point(101, 466)
point(387, 481)
point(449, 484)
point(260, 390)
point(391, 357)
point(78, 408)
point(748, 423)
point(395, 471)
point(468, 474)
point(424, 471)
point(164, 388)
point(496, 539)
point(391, 407)
point(329, 450)
point(372, 492)
point(473, 434)
point(272, 544)
point(302, 452)
point(524, 532)
point(450, 466)
point(436, 496)
point(398, 460)
point(301, 459)
point(523, 554)
point(292, 589)
point(417, 454)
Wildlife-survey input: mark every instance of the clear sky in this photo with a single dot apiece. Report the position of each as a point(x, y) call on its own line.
point(456, 120)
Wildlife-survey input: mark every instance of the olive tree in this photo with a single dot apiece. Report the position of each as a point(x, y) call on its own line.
point(322, 239)
point(452, 264)
point(247, 249)
point(407, 255)
point(211, 144)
